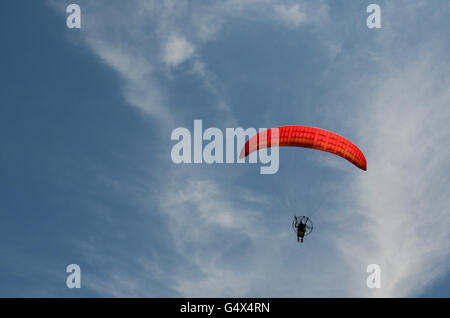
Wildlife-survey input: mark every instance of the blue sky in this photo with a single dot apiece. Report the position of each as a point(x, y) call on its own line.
point(86, 175)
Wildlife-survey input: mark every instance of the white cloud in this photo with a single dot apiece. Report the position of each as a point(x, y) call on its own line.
point(136, 37)
point(177, 50)
point(396, 215)
point(291, 15)
point(204, 203)
point(403, 199)
point(204, 223)
point(231, 247)
point(140, 88)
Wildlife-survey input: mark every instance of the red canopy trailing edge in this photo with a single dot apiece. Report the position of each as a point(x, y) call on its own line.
point(306, 137)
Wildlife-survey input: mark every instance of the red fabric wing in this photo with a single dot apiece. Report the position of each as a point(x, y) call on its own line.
point(307, 137)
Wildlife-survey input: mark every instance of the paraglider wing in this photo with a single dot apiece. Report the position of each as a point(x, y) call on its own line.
point(306, 137)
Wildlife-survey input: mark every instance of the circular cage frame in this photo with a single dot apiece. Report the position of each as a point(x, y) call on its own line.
point(307, 220)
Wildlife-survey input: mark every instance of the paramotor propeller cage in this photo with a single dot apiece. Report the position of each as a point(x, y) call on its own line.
point(305, 220)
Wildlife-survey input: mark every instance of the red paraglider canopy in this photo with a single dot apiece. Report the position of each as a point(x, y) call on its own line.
point(306, 137)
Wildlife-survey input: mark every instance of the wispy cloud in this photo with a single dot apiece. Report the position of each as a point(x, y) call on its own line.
point(158, 33)
point(396, 215)
point(403, 200)
point(208, 222)
point(292, 15)
point(177, 50)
